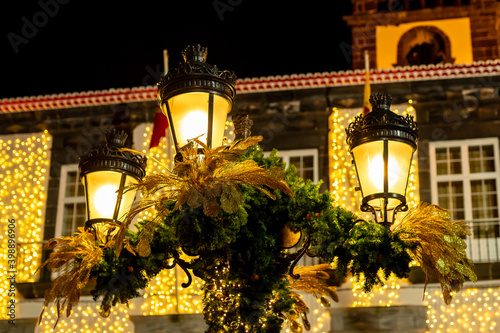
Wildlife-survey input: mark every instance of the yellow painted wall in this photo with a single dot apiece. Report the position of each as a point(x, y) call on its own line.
point(457, 30)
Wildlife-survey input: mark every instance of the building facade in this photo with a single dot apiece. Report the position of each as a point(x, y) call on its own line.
point(443, 69)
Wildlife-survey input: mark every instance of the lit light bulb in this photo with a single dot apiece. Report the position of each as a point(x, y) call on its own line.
point(105, 199)
point(195, 123)
point(376, 171)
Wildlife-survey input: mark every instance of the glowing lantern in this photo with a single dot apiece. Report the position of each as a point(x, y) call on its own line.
point(105, 171)
point(382, 144)
point(196, 97)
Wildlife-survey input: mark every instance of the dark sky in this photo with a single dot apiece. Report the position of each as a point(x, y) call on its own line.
point(60, 46)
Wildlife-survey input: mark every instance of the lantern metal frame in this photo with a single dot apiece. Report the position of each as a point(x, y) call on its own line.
point(195, 75)
point(381, 124)
point(109, 156)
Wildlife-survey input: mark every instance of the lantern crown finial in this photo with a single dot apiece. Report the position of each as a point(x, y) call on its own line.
point(381, 101)
point(194, 74)
point(382, 123)
point(116, 138)
point(195, 53)
point(109, 154)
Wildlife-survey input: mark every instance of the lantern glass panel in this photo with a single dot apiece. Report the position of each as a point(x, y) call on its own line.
point(190, 117)
point(103, 193)
point(370, 168)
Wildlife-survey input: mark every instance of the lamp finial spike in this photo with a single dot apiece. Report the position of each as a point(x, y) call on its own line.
point(196, 53)
point(381, 101)
point(115, 137)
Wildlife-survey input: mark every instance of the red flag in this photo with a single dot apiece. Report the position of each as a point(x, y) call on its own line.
point(159, 129)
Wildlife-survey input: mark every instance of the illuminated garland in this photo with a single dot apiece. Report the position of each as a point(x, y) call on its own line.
point(237, 252)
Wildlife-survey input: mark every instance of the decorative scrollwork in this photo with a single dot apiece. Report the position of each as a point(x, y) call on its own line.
point(110, 154)
point(195, 63)
point(380, 122)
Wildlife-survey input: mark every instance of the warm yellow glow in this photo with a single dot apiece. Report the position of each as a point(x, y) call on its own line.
point(343, 178)
point(387, 295)
point(165, 294)
point(195, 124)
point(105, 199)
point(190, 116)
point(370, 169)
point(471, 310)
point(456, 29)
point(376, 168)
point(24, 174)
point(87, 320)
point(102, 194)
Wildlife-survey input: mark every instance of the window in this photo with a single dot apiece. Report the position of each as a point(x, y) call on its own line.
point(464, 180)
point(71, 212)
point(424, 45)
point(305, 160)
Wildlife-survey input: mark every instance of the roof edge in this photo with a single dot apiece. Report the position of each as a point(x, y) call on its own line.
point(259, 84)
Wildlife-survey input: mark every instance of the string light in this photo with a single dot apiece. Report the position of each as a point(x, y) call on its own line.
point(471, 310)
point(343, 183)
point(387, 295)
point(165, 294)
point(24, 163)
point(85, 319)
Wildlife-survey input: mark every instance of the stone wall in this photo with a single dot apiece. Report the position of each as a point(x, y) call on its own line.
point(21, 326)
point(408, 319)
point(188, 323)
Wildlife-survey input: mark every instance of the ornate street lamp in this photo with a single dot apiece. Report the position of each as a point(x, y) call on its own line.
point(196, 97)
point(382, 144)
point(105, 171)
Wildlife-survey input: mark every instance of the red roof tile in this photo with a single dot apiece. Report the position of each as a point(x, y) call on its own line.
point(261, 84)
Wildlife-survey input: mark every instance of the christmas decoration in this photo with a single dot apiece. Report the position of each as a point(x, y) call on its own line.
point(222, 217)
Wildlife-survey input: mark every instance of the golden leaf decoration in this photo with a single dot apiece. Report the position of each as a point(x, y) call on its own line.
point(313, 281)
point(74, 258)
point(202, 180)
point(439, 246)
point(300, 310)
point(231, 198)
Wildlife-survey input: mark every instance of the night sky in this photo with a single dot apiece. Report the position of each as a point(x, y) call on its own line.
point(61, 46)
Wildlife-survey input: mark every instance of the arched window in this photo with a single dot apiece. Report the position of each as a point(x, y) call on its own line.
point(422, 46)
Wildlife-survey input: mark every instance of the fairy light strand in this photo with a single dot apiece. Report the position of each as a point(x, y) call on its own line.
point(24, 174)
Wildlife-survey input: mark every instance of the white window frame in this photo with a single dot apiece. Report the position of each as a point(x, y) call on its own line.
point(286, 154)
point(62, 199)
point(465, 177)
point(285, 157)
point(479, 249)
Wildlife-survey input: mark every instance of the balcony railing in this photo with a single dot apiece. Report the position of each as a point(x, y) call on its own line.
point(483, 245)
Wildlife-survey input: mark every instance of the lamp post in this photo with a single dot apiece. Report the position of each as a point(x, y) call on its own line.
point(196, 97)
point(105, 171)
point(382, 144)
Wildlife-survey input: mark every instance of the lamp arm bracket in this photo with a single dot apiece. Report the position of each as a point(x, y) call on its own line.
point(184, 265)
point(299, 255)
